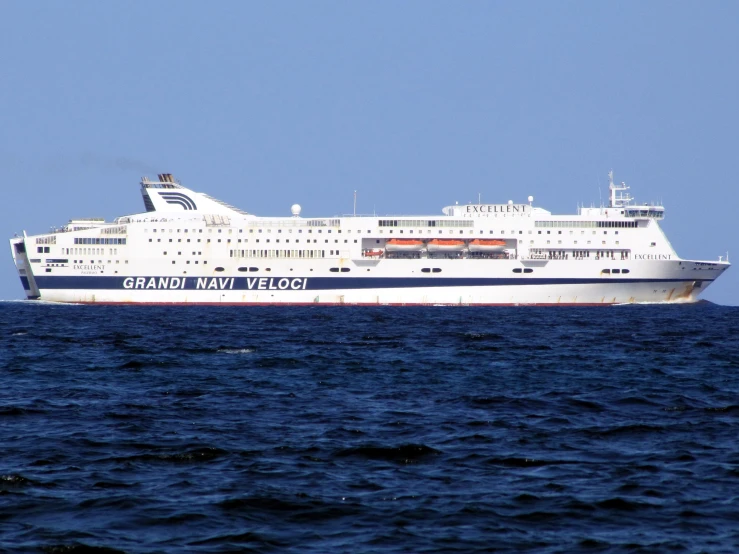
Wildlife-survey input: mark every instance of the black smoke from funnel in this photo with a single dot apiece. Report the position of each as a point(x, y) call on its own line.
point(97, 162)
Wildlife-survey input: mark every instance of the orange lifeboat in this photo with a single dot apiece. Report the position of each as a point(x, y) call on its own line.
point(487, 245)
point(404, 245)
point(445, 245)
point(373, 253)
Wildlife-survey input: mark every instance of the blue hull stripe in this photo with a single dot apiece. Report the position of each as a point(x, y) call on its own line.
point(312, 283)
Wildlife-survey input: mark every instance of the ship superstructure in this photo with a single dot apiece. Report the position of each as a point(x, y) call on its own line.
point(190, 248)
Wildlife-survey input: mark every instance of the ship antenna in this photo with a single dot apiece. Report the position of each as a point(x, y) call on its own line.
point(355, 203)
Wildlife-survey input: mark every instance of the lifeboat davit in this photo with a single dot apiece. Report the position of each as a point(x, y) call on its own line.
point(445, 245)
point(404, 245)
point(487, 245)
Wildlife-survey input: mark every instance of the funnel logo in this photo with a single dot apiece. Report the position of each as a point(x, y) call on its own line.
point(179, 199)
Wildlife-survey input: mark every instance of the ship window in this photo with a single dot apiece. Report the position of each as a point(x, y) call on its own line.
point(653, 244)
point(345, 269)
point(605, 271)
point(436, 270)
point(615, 271)
point(624, 271)
point(516, 270)
point(253, 269)
point(425, 270)
point(528, 270)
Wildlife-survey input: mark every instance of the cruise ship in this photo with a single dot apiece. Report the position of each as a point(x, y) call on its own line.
point(190, 248)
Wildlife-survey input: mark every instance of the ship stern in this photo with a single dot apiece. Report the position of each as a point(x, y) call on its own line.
point(23, 266)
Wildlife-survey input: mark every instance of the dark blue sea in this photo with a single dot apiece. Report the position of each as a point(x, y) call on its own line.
point(342, 429)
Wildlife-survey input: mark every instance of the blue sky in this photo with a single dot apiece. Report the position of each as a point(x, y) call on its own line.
point(414, 104)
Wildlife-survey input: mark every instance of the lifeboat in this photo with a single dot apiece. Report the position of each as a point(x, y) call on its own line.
point(487, 245)
point(404, 245)
point(373, 253)
point(445, 245)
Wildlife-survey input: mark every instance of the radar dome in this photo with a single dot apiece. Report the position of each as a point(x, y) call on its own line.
point(295, 209)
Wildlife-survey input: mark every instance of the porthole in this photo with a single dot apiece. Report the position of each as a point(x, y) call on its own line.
point(606, 271)
point(253, 269)
point(334, 270)
point(516, 270)
point(436, 270)
point(243, 269)
point(528, 270)
point(624, 271)
point(219, 269)
point(425, 270)
point(345, 269)
point(615, 271)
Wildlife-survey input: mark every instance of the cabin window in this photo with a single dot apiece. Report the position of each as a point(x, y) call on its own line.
point(516, 270)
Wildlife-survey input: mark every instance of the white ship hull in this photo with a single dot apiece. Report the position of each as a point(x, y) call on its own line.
point(550, 283)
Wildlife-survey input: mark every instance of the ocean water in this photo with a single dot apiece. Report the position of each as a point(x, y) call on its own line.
point(313, 429)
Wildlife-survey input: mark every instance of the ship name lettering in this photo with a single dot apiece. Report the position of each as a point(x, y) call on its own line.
point(496, 208)
point(652, 256)
point(273, 283)
point(158, 283)
point(215, 283)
